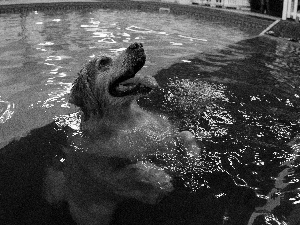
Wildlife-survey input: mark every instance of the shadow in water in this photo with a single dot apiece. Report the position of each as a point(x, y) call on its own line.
point(23, 163)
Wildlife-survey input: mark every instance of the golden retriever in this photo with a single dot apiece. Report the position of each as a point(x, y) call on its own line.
point(121, 151)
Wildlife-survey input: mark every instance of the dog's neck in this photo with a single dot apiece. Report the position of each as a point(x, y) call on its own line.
point(116, 116)
point(122, 112)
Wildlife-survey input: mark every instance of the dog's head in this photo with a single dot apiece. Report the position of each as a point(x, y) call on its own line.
point(104, 83)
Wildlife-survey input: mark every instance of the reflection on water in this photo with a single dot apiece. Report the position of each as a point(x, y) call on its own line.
point(250, 121)
point(239, 97)
point(6, 111)
point(42, 52)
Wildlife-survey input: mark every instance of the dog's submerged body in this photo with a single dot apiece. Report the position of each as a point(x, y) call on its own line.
point(120, 150)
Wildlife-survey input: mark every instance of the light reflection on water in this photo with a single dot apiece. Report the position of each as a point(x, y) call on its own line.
point(239, 98)
point(43, 51)
point(253, 124)
point(6, 111)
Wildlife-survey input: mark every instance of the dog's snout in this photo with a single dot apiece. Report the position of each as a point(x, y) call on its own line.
point(135, 46)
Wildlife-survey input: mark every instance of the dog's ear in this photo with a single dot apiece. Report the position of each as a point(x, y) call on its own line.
point(82, 91)
point(79, 96)
point(77, 91)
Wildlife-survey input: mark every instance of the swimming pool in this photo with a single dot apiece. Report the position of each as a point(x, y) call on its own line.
point(237, 93)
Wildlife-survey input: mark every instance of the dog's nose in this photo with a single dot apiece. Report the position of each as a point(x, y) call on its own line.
point(135, 46)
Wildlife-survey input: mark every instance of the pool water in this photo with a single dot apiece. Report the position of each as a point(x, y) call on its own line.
point(43, 51)
point(238, 94)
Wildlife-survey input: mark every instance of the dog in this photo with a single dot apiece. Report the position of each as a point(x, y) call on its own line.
point(121, 151)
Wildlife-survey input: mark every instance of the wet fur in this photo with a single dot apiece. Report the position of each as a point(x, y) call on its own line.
point(111, 158)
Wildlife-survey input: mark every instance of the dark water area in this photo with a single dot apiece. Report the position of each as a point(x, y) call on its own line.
point(245, 115)
point(250, 129)
point(239, 97)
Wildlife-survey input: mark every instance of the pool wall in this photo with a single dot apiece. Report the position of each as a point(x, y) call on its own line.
point(246, 22)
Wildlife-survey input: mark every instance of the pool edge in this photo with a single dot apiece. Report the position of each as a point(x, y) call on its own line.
point(250, 23)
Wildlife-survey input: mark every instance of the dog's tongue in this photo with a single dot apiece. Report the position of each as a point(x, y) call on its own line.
point(147, 81)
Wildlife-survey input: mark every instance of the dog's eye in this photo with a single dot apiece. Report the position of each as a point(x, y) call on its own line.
point(103, 61)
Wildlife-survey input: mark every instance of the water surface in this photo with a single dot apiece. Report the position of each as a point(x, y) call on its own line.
point(42, 52)
point(238, 95)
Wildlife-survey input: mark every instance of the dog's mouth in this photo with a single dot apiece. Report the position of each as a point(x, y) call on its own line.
point(134, 86)
point(127, 83)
